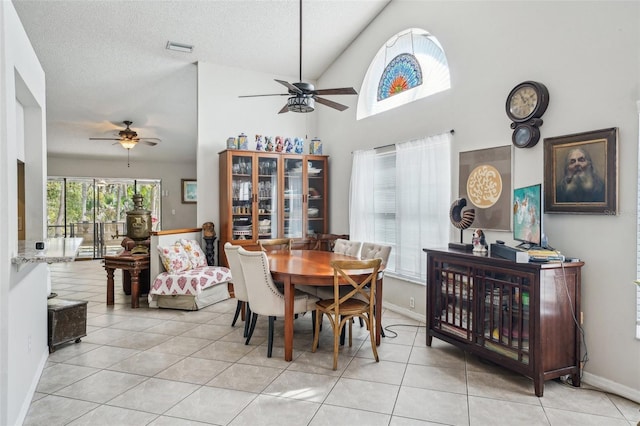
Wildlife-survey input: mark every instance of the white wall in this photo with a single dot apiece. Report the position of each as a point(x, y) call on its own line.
point(221, 114)
point(23, 293)
point(175, 214)
point(587, 54)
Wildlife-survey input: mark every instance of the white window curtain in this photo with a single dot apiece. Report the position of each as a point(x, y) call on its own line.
point(401, 198)
point(361, 201)
point(423, 186)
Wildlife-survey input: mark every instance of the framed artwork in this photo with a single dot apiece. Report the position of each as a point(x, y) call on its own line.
point(581, 173)
point(485, 181)
point(189, 191)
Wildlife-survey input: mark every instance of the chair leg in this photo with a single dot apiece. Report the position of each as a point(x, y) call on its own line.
point(370, 321)
point(313, 322)
point(247, 319)
point(237, 314)
point(337, 328)
point(270, 342)
point(316, 334)
point(342, 334)
point(254, 320)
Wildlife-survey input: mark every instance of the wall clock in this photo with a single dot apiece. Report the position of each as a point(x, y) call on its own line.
point(525, 105)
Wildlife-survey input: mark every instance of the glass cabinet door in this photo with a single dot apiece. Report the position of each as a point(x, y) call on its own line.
point(242, 199)
point(268, 191)
point(294, 197)
point(317, 200)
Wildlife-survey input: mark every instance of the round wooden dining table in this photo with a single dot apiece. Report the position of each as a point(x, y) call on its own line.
point(311, 267)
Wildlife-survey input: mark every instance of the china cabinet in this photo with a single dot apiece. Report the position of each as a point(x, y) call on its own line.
point(271, 195)
point(523, 316)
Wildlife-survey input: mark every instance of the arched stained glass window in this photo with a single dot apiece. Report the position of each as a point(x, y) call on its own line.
point(409, 66)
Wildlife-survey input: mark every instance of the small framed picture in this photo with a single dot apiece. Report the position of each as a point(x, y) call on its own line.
point(581, 173)
point(189, 191)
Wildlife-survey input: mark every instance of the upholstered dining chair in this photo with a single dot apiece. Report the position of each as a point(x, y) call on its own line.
point(344, 305)
point(275, 244)
point(375, 251)
point(239, 285)
point(264, 297)
point(348, 247)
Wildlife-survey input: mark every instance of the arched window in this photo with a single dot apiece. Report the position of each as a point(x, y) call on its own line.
point(409, 66)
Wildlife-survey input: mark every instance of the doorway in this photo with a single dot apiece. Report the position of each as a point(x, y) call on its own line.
point(95, 210)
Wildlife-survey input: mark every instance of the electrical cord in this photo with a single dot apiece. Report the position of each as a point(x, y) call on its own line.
point(394, 334)
point(583, 341)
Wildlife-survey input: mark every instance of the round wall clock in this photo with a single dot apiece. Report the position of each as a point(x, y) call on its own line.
point(525, 105)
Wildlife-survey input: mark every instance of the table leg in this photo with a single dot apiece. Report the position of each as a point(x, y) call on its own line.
point(289, 293)
point(135, 287)
point(378, 309)
point(110, 291)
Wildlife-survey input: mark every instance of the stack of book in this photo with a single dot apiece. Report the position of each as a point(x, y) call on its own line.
point(543, 255)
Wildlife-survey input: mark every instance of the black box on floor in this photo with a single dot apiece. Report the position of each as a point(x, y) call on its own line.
point(67, 321)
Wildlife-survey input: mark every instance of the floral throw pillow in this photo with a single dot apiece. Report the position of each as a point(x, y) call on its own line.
point(196, 255)
point(174, 258)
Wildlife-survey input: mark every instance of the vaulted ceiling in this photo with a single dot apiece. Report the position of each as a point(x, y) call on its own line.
point(106, 61)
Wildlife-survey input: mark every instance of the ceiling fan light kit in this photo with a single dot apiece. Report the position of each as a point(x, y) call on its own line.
point(303, 96)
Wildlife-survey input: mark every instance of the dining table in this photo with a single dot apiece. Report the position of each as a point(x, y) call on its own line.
point(312, 268)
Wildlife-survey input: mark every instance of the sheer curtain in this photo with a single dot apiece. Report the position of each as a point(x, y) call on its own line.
point(401, 198)
point(423, 192)
point(361, 201)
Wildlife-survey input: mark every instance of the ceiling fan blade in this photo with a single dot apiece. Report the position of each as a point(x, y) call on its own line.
point(337, 91)
point(284, 109)
point(104, 139)
point(272, 94)
point(331, 104)
point(149, 142)
point(289, 86)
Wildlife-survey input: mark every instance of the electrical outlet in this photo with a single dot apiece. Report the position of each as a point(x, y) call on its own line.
point(412, 302)
point(581, 317)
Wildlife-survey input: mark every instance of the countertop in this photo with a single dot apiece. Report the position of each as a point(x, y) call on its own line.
point(57, 250)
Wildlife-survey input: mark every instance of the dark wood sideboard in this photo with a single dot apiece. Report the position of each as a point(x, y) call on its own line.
point(523, 316)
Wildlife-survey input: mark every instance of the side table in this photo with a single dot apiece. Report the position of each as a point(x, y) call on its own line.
point(134, 264)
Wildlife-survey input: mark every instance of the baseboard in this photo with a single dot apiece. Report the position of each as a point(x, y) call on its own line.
point(611, 387)
point(406, 312)
point(24, 409)
point(601, 383)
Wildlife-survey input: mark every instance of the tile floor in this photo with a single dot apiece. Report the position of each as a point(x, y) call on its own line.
point(167, 367)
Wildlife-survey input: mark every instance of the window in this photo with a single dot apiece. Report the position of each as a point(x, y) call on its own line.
point(405, 207)
point(411, 65)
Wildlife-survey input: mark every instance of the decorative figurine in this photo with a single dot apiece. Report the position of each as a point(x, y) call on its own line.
point(288, 146)
point(298, 145)
point(269, 143)
point(279, 144)
point(259, 144)
point(479, 242)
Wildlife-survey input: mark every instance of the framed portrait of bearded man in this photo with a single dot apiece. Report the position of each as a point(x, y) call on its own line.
point(581, 173)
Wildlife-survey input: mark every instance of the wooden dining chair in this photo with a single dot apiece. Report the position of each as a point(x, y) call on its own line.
point(239, 285)
point(348, 247)
point(275, 244)
point(264, 297)
point(375, 251)
point(344, 305)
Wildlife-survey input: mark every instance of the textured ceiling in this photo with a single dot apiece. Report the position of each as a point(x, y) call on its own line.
point(105, 61)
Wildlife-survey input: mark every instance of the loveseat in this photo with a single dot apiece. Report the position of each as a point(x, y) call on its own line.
point(181, 277)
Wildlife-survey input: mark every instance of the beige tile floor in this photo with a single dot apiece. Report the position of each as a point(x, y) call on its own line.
point(167, 367)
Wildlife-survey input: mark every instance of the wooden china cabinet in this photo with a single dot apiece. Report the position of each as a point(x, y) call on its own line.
point(523, 316)
point(271, 195)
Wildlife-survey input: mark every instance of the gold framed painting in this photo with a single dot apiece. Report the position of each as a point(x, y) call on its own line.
point(581, 173)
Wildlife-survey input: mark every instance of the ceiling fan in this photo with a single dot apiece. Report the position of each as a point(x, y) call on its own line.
point(303, 96)
point(129, 138)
